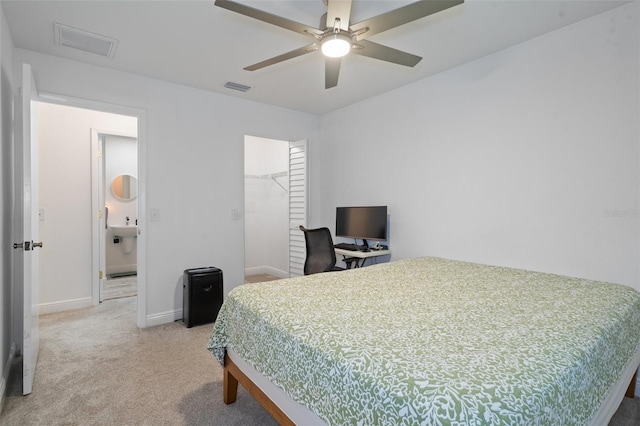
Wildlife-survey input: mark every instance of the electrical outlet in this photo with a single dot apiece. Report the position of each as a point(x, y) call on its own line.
point(236, 214)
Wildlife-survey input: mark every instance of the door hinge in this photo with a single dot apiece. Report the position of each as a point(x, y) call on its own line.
point(100, 275)
point(100, 154)
point(99, 214)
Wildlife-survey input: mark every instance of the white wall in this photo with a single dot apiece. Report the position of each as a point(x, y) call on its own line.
point(517, 159)
point(7, 326)
point(120, 158)
point(195, 144)
point(266, 207)
point(525, 158)
point(65, 197)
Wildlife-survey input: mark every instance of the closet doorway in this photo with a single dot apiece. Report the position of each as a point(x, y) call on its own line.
point(275, 205)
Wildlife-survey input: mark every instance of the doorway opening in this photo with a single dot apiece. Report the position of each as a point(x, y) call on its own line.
point(275, 205)
point(81, 139)
point(116, 190)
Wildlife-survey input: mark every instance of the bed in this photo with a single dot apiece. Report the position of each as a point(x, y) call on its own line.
point(431, 341)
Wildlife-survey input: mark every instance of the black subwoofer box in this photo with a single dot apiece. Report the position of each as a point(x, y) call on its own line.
point(202, 295)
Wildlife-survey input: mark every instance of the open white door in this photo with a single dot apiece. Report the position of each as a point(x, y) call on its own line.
point(26, 226)
point(298, 204)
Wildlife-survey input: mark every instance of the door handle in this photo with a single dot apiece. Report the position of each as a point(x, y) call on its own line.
point(34, 245)
point(26, 245)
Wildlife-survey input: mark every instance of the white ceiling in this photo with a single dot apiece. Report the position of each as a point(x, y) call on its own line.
point(197, 44)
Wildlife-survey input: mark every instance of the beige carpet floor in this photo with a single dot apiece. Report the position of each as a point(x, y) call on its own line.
point(97, 368)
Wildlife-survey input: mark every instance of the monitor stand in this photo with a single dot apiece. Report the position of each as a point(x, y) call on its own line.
point(364, 246)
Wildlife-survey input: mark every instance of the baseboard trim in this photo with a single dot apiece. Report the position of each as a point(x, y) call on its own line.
point(163, 318)
point(5, 375)
point(266, 270)
point(121, 268)
point(65, 305)
point(69, 305)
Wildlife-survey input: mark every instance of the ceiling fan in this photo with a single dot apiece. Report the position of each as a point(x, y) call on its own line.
point(336, 37)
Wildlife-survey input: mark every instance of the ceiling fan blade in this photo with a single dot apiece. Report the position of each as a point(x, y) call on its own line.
point(385, 53)
point(269, 18)
point(339, 9)
point(285, 56)
point(401, 16)
point(331, 72)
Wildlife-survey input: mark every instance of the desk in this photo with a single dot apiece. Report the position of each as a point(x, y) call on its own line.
point(360, 256)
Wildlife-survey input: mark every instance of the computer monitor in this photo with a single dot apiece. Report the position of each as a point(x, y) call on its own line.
point(366, 223)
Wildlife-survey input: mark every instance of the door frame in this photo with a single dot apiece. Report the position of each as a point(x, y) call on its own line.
point(99, 221)
point(140, 114)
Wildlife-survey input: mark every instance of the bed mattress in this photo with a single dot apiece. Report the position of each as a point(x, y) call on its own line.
point(435, 341)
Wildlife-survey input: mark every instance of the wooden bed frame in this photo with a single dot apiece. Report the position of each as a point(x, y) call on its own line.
point(631, 390)
point(232, 375)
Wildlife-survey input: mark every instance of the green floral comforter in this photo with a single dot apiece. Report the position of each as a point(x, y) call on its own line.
point(436, 342)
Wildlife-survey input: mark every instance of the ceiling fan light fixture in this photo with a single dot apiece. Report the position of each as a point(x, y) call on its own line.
point(335, 45)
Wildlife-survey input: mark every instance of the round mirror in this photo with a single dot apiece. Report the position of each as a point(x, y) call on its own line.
point(125, 187)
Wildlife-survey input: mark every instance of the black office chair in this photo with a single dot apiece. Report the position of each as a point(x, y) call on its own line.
point(321, 256)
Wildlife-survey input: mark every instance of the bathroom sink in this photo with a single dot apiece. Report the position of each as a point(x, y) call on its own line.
point(124, 230)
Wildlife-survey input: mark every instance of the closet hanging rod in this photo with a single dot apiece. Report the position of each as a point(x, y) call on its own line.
point(268, 176)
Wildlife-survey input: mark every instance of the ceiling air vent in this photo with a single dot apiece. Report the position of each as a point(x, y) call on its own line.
point(83, 40)
point(236, 86)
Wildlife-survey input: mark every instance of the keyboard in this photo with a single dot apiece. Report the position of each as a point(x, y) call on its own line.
point(347, 246)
